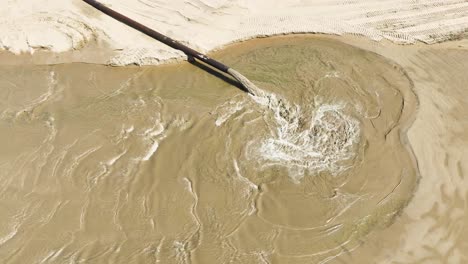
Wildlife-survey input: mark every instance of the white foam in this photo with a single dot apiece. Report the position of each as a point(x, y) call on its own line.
point(151, 151)
point(116, 158)
point(52, 90)
point(251, 186)
point(311, 140)
point(153, 135)
point(228, 109)
point(9, 236)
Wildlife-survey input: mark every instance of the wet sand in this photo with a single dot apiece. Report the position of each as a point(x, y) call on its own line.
point(349, 157)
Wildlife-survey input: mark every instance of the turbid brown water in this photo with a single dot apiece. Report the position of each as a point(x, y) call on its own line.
point(170, 165)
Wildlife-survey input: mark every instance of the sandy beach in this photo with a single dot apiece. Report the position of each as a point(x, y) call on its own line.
point(409, 168)
point(67, 26)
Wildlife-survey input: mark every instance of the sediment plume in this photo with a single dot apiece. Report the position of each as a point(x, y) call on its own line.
point(246, 83)
point(170, 165)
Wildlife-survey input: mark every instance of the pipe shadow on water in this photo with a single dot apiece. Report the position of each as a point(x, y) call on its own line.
point(217, 74)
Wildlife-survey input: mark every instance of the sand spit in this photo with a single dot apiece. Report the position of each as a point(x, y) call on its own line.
point(61, 26)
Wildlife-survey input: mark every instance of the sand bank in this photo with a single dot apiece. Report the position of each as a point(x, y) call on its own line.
point(67, 26)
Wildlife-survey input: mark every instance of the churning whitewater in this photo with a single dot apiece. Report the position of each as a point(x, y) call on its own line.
point(300, 139)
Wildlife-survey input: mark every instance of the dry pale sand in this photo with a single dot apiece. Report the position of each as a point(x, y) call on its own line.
point(61, 26)
point(432, 227)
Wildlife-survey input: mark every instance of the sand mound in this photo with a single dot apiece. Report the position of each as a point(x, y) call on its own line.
point(210, 24)
point(30, 29)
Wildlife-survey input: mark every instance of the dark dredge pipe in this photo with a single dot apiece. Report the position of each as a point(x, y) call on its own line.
point(191, 53)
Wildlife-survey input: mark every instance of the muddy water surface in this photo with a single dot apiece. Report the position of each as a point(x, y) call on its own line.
point(171, 165)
